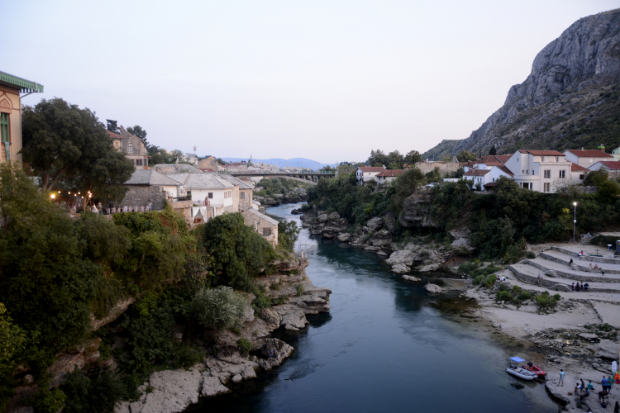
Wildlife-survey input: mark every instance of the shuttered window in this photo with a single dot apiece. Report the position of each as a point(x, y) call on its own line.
point(4, 127)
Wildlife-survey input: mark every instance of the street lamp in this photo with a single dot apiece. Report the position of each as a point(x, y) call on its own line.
point(574, 220)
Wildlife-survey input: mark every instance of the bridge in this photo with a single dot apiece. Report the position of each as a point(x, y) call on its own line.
point(308, 177)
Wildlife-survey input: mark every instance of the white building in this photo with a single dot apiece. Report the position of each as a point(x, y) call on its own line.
point(388, 176)
point(612, 167)
point(211, 194)
point(588, 157)
point(368, 173)
point(486, 176)
point(578, 173)
point(542, 171)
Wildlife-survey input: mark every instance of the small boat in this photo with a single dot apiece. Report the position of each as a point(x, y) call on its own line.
point(535, 369)
point(520, 372)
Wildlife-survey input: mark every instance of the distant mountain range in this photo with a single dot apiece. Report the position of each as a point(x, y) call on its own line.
point(299, 162)
point(571, 99)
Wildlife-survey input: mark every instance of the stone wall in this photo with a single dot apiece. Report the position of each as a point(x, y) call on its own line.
point(260, 224)
point(246, 201)
point(185, 209)
point(444, 167)
point(142, 195)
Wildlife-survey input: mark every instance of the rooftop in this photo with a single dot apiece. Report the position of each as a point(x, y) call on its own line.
point(150, 177)
point(541, 152)
point(611, 165)
point(236, 181)
point(577, 168)
point(589, 153)
point(372, 168)
point(477, 172)
point(390, 173)
point(261, 216)
point(24, 86)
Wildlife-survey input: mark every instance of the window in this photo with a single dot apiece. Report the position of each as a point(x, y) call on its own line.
point(4, 127)
point(242, 195)
point(562, 174)
point(210, 195)
point(130, 148)
point(581, 176)
point(547, 173)
point(139, 162)
point(116, 145)
point(532, 172)
point(547, 187)
point(557, 159)
point(266, 232)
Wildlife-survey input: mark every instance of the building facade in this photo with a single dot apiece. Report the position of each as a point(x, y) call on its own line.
point(134, 149)
point(262, 224)
point(587, 157)
point(10, 114)
point(540, 170)
point(365, 174)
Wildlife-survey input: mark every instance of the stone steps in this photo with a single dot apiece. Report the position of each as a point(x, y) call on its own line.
point(565, 272)
point(607, 257)
point(581, 262)
point(529, 274)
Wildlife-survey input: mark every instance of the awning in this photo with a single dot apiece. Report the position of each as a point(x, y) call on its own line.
point(24, 86)
point(517, 360)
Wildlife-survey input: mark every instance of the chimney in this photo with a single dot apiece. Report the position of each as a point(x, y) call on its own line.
point(582, 148)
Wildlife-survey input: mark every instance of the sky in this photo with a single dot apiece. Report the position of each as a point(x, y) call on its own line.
point(325, 80)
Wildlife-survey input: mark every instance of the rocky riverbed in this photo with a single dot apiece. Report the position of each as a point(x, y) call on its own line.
point(291, 197)
point(174, 390)
point(376, 236)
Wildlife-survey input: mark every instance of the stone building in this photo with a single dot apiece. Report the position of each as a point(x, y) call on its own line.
point(134, 149)
point(444, 167)
point(208, 164)
point(146, 187)
point(245, 192)
point(264, 225)
point(176, 168)
point(10, 114)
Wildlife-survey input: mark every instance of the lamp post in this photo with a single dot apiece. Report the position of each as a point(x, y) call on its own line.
point(574, 220)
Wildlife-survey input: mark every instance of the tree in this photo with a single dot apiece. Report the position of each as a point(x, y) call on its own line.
point(140, 133)
point(239, 253)
point(405, 185)
point(288, 232)
point(493, 151)
point(112, 126)
point(466, 156)
point(62, 141)
point(413, 157)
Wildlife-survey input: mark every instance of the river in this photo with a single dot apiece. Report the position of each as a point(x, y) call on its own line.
point(386, 346)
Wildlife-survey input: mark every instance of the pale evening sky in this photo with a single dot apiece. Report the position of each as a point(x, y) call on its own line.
point(326, 80)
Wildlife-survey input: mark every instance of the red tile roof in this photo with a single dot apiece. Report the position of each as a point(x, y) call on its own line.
point(477, 172)
point(541, 153)
point(506, 170)
point(589, 153)
point(388, 173)
point(503, 158)
point(114, 135)
point(372, 168)
point(611, 165)
point(577, 168)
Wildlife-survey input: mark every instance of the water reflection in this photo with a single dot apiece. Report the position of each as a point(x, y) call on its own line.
point(385, 346)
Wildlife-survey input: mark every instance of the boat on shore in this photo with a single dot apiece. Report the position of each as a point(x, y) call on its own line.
point(514, 369)
point(535, 369)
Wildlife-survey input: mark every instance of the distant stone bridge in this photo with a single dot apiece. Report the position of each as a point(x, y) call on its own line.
point(311, 178)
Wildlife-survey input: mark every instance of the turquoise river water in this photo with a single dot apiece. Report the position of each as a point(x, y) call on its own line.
point(386, 346)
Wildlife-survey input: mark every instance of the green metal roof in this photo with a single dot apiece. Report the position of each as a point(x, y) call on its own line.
point(25, 86)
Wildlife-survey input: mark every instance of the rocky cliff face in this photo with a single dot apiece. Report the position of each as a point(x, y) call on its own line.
point(570, 99)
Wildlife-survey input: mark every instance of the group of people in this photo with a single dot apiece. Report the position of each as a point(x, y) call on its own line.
point(582, 390)
point(98, 209)
point(579, 286)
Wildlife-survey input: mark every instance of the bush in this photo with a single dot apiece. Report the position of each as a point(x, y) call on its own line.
point(219, 308)
point(545, 301)
point(97, 393)
point(48, 401)
point(525, 295)
point(490, 280)
point(504, 296)
point(478, 280)
point(245, 345)
point(300, 289)
point(530, 255)
point(187, 355)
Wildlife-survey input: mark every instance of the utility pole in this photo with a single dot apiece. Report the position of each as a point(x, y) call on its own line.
point(574, 220)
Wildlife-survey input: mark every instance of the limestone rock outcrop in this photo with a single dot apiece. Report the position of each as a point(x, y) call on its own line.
point(433, 288)
point(571, 85)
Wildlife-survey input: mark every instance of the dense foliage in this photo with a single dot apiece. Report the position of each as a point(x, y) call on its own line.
point(272, 186)
point(219, 308)
point(239, 253)
point(393, 160)
point(67, 145)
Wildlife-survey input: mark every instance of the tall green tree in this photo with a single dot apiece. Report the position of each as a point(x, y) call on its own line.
point(64, 142)
point(413, 157)
point(493, 151)
point(466, 156)
point(139, 132)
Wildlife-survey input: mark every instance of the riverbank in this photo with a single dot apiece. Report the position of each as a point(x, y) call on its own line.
point(578, 335)
point(171, 391)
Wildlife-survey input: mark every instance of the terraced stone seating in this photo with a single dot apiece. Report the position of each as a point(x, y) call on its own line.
point(556, 275)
